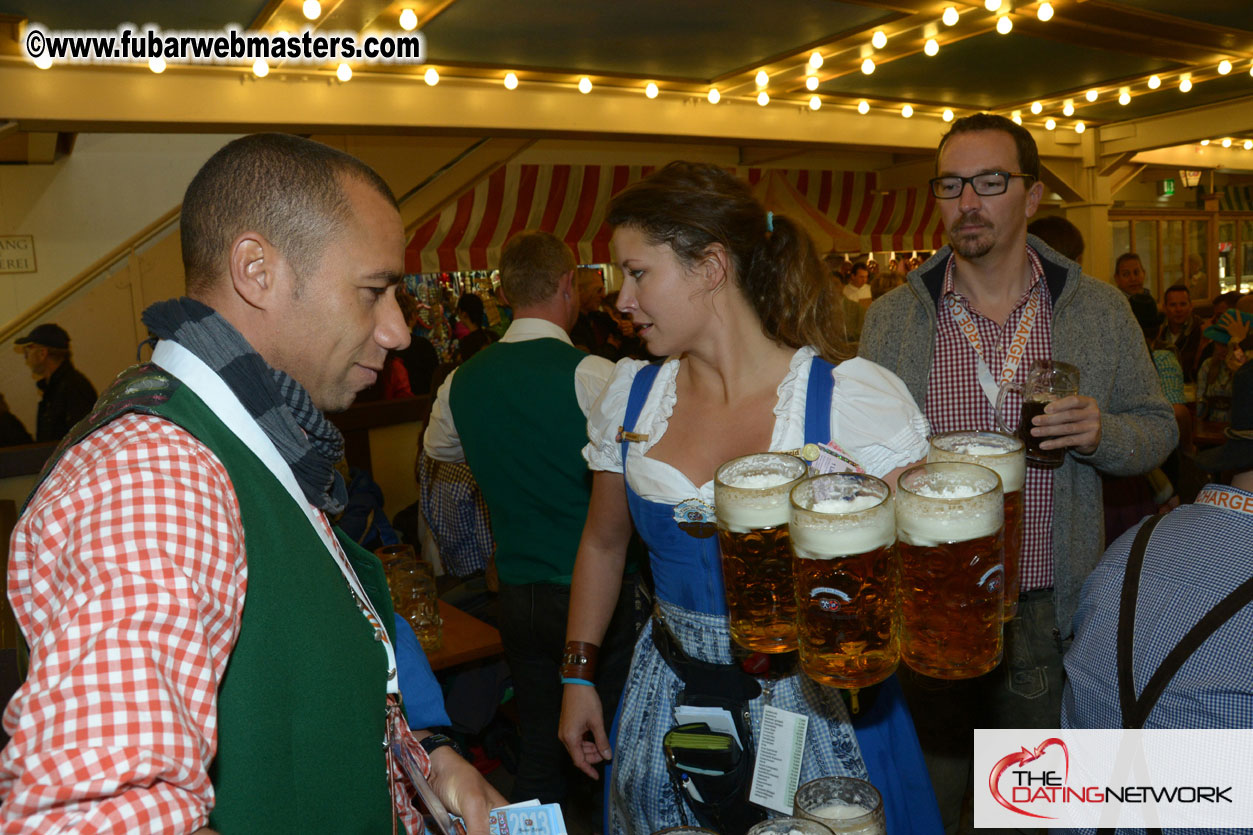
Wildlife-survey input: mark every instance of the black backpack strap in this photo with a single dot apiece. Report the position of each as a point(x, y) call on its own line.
point(1127, 622)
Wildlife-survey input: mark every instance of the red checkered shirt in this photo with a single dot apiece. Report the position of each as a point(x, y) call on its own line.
point(127, 576)
point(956, 401)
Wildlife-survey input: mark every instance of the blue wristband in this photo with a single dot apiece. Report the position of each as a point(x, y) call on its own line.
point(582, 681)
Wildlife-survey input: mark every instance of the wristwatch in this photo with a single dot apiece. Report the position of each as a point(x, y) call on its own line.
point(436, 741)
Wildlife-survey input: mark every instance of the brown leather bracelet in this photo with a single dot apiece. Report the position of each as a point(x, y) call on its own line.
point(579, 660)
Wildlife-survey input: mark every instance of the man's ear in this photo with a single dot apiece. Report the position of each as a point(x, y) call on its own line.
point(254, 266)
point(565, 285)
point(1034, 195)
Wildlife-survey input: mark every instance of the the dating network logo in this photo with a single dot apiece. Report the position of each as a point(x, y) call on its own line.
point(1029, 785)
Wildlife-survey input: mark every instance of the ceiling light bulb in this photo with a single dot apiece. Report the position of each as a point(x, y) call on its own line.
point(950, 16)
point(1044, 12)
point(585, 85)
point(511, 81)
point(1091, 95)
point(1248, 144)
point(343, 72)
point(931, 47)
point(408, 20)
point(1224, 67)
point(260, 68)
point(651, 90)
point(43, 62)
point(1004, 25)
point(1154, 82)
point(1185, 83)
point(815, 60)
point(1227, 142)
point(312, 9)
point(1049, 124)
point(763, 98)
point(991, 5)
point(867, 66)
point(1068, 108)
point(762, 78)
point(863, 107)
point(431, 76)
point(1124, 96)
point(1080, 127)
point(714, 96)
point(879, 40)
point(1036, 107)
point(1204, 142)
point(947, 115)
point(811, 83)
point(907, 111)
point(157, 64)
point(1016, 116)
point(814, 102)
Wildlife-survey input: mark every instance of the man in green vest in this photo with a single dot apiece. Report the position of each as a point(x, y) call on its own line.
point(207, 653)
point(517, 413)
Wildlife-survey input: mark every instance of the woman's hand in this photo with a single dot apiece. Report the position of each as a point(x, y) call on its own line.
point(463, 789)
point(581, 715)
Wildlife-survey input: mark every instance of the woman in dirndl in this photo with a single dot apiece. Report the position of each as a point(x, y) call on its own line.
point(737, 300)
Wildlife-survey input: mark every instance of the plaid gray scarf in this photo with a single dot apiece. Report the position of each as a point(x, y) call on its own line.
point(309, 443)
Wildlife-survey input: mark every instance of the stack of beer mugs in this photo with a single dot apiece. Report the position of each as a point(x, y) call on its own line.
point(856, 579)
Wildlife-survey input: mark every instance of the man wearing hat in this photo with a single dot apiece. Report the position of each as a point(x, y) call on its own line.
point(67, 395)
point(1190, 562)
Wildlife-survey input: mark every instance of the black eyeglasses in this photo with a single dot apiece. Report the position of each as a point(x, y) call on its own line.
point(985, 185)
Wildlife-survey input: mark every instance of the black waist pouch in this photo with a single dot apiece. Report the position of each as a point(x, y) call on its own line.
point(711, 772)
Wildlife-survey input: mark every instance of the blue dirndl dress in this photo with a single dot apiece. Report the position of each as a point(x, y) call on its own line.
point(687, 574)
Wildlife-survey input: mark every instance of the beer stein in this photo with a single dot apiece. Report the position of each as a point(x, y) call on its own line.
point(414, 596)
point(949, 528)
point(843, 532)
point(844, 805)
point(1046, 381)
point(751, 498)
point(1006, 455)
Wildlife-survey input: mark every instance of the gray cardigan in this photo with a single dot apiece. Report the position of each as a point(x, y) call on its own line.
point(1093, 328)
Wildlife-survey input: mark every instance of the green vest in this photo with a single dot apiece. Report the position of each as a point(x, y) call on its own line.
point(523, 433)
point(301, 708)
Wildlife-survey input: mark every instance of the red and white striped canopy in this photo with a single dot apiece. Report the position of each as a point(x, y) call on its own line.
point(843, 212)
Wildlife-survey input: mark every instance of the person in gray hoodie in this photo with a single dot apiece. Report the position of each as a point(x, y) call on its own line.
point(964, 308)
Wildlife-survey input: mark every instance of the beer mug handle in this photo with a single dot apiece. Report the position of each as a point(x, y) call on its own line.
point(1000, 402)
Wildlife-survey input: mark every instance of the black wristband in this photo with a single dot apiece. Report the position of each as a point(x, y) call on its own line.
point(436, 741)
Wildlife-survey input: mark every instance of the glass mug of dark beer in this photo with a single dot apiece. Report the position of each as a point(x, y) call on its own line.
point(949, 528)
point(1046, 381)
point(1006, 455)
point(751, 496)
point(843, 532)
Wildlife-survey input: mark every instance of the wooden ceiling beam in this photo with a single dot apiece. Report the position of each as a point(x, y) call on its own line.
point(428, 198)
point(1180, 127)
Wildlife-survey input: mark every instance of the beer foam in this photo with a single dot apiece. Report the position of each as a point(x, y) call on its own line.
point(932, 523)
point(741, 512)
point(756, 481)
point(849, 505)
point(947, 491)
point(976, 448)
point(825, 543)
point(1005, 456)
point(840, 811)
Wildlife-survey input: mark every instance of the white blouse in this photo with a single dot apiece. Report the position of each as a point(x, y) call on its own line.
point(873, 418)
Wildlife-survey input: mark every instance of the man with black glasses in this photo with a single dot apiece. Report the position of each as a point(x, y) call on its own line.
point(974, 317)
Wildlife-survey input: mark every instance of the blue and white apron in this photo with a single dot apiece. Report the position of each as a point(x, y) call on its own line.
point(687, 574)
